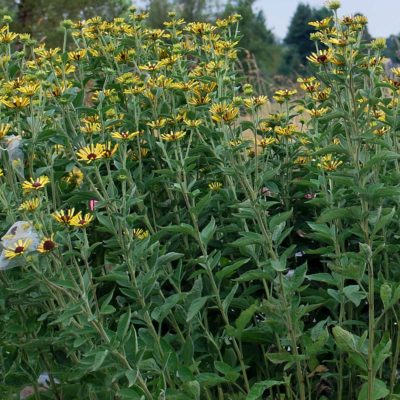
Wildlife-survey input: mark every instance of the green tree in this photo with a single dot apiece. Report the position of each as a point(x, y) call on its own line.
point(297, 40)
point(41, 18)
point(257, 38)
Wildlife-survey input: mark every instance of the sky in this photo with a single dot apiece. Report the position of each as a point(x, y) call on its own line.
point(383, 15)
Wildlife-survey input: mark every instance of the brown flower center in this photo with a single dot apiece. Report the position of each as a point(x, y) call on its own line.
point(19, 249)
point(48, 245)
point(92, 156)
point(36, 184)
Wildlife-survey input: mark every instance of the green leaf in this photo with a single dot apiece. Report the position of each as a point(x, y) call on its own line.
point(380, 390)
point(245, 317)
point(345, 340)
point(354, 294)
point(99, 359)
point(182, 228)
point(228, 299)
point(230, 269)
point(195, 307)
point(248, 238)
point(332, 214)
point(123, 325)
point(210, 379)
point(279, 219)
point(208, 232)
point(258, 389)
point(386, 294)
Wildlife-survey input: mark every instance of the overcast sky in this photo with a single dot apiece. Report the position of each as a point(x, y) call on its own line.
point(383, 15)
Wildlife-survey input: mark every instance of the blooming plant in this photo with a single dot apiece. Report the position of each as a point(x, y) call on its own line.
point(158, 245)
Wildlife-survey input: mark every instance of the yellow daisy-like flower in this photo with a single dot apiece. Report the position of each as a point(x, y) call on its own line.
point(19, 248)
point(91, 127)
point(321, 57)
point(46, 245)
point(255, 101)
point(1, 172)
point(109, 150)
point(215, 186)
point(265, 142)
point(323, 24)
point(64, 217)
point(159, 123)
point(7, 37)
point(287, 130)
point(192, 123)
point(81, 221)
point(317, 112)
point(35, 184)
point(285, 93)
point(125, 135)
point(77, 55)
point(4, 129)
point(172, 136)
point(140, 233)
point(29, 205)
point(16, 102)
point(29, 90)
point(224, 112)
point(91, 153)
point(328, 163)
point(75, 177)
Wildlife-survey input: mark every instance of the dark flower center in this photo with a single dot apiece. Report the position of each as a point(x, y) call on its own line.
point(92, 156)
point(36, 184)
point(48, 245)
point(19, 249)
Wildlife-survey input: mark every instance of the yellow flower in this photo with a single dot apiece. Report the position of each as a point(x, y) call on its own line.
point(172, 136)
point(255, 101)
point(328, 163)
point(29, 90)
point(200, 28)
point(18, 249)
point(321, 24)
point(288, 130)
point(29, 205)
point(81, 221)
point(77, 55)
point(90, 153)
point(91, 127)
point(215, 186)
point(317, 112)
point(125, 135)
point(35, 184)
point(109, 150)
point(285, 93)
point(158, 123)
point(396, 71)
point(46, 245)
point(4, 128)
point(192, 123)
point(7, 37)
point(140, 233)
point(16, 102)
point(301, 160)
point(321, 57)
point(224, 112)
point(264, 142)
point(124, 55)
point(64, 217)
point(75, 177)
point(1, 172)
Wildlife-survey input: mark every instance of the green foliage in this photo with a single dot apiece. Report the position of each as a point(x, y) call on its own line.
point(164, 236)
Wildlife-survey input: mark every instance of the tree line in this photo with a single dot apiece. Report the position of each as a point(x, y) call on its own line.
point(41, 18)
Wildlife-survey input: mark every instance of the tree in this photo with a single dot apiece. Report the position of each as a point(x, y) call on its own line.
point(41, 18)
point(297, 40)
point(257, 38)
